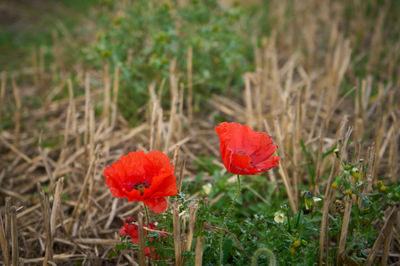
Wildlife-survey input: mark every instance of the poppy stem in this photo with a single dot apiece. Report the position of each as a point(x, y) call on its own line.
point(147, 214)
point(148, 225)
point(234, 198)
point(227, 217)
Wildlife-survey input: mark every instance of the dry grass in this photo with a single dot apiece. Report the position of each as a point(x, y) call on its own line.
point(293, 95)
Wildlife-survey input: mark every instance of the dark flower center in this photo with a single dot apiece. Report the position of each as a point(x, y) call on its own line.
point(140, 186)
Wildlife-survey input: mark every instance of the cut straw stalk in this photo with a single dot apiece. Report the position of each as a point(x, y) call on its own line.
point(199, 250)
point(18, 114)
point(4, 243)
point(56, 205)
point(192, 221)
point(174, 102)
point(343, 234)
point(44, 200)
point(177, 234)
point(2, 92)
point(14, 237)
point(383, 234)
point(189, 102)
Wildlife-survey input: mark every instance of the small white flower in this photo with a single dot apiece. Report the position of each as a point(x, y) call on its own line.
point(207, 188)
point(316, 199)
point(279, 217)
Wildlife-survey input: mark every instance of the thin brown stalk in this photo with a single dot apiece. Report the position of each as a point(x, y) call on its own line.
point(177, 234)
point(35, 68)
point(386, 248)
point(189, 100)
point(344, 231)
point(74, 125)
point(383, 234)
point(199, 250)
point(7, 218)
point(2, 92)
point(83, 189)
point(174, 101)
point(44, 200)
point(153, 117)
point(112, 213)
point(115, 96)
point(180, 178)
point(325, 212)
point(248, 101)
point(56, 205)
point(16, 150)
point(18, 114)
point(192, 220)
point(283, 169)
point(4, 244)
point(41, 65)
point(45, 161)
point(86, 118)
point(14, 237)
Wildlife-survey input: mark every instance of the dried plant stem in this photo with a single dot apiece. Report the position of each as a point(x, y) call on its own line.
point(4, 244)
point(56, 205)
point(147, 215)
point(199, 250)
point(18, 113)
point(383, 234)
point(325, 212)
point(2, 92)
point(345, 226)
point(177, 235)
point(190, 84)
point(44, 200)
point(14, 237)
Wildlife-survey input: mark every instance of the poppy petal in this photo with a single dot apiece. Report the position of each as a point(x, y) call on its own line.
point(268, 164)
point(245, 151)
point(240, 164)
point(157, 204)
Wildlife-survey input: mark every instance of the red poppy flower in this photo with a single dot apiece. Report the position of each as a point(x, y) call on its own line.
point(132, 230)
point(245, 151)
point(138, 176)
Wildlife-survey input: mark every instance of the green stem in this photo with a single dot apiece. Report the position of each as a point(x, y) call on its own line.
point(299, 214)
point(148, 225)
point(234, 198)
point(288, 219)
point(147, 214)
point(270, 254)
point(221, 240)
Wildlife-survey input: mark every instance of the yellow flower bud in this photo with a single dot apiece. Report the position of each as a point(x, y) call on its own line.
point(296, 243)
point(383, 188)
point(335, 185)
point(355, 175)
point(292, 250)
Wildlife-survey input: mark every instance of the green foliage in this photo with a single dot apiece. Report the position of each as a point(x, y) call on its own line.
point(148, 35)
